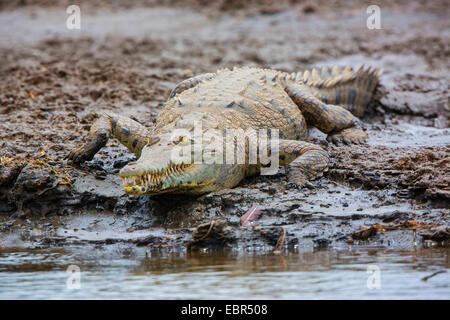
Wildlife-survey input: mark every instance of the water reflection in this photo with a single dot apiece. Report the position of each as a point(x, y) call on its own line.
point(224, 275)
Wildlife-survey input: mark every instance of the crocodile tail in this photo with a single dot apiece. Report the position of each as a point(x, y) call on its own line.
point(342, 86)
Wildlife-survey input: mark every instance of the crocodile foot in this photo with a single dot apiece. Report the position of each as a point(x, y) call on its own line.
point(79, 155)
point(87, 151)
point(296, 179)
point(348, 136)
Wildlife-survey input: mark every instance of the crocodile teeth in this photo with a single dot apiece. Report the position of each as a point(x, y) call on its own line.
point(154, 177)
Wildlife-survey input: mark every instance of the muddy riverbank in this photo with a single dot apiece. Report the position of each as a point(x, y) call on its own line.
point(55, 81)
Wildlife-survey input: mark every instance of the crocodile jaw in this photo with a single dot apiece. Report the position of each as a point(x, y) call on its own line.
point(142, 178)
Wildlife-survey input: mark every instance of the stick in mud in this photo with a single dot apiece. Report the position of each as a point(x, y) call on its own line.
point(433, 274)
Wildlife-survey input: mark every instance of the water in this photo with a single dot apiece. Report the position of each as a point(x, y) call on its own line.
point(115, 272)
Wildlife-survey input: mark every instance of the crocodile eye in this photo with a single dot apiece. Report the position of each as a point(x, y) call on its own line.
point(181, 139)
point(152, 140)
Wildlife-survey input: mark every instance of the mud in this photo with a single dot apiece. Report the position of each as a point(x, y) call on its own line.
point(127, 58)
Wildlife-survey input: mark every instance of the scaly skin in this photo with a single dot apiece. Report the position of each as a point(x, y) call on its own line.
point(242, 98)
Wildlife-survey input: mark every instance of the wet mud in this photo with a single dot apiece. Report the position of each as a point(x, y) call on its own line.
point(54, 83)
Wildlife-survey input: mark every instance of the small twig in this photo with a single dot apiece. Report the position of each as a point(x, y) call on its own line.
point(207, 233)
point(433, 274)
point(280, 242)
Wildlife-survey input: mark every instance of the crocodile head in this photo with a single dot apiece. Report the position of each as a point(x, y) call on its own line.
point(161, 169)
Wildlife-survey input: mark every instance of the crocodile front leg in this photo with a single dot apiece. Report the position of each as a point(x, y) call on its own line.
point(190, 83)
point(130, 133)
point(340, 124)
point(304, 161)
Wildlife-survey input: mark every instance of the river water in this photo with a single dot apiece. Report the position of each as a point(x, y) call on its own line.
point(123, 273)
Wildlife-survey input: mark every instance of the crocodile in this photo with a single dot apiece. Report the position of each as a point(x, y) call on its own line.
point(329, 98)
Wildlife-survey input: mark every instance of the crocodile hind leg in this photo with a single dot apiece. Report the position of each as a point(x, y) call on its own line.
point(304, 161)
point(130, 133)
point(340, 124)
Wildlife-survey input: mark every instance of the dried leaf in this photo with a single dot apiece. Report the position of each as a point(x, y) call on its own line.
point(5, 159)
point(251, 215)
point(365, 233)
